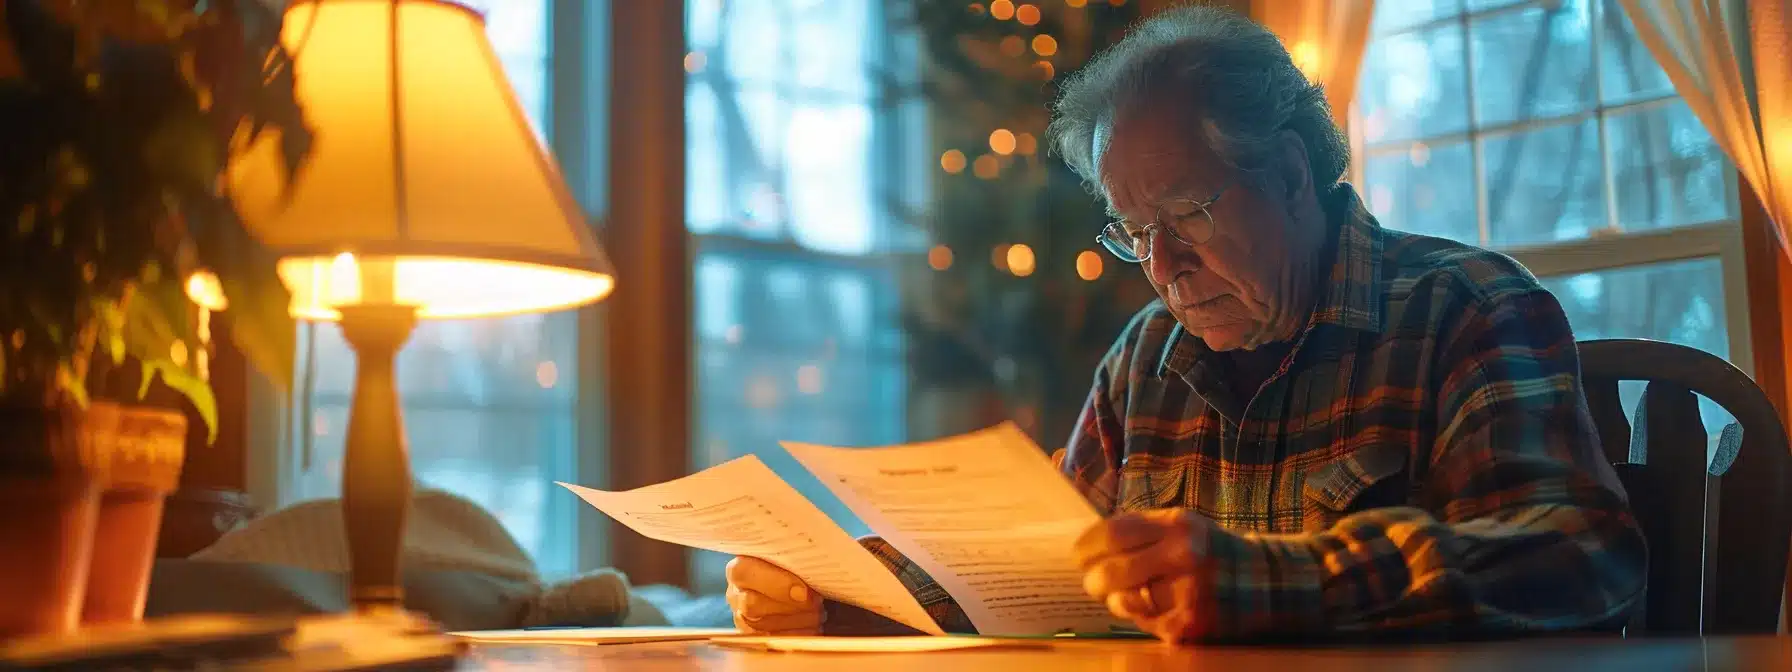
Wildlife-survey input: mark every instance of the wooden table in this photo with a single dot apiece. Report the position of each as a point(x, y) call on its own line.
point(1595, 655)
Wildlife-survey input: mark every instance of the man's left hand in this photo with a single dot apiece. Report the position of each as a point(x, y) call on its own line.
point(1152, 567)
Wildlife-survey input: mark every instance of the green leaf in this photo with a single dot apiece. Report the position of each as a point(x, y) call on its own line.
point(257, 317)
point(111, 319)
point(158, 316)
point(195, 389)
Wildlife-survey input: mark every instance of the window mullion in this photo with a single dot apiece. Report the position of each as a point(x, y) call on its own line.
point(1477, 169)
point(1608, 173)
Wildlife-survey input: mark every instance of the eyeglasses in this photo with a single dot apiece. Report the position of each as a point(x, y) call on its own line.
point(1187, 220)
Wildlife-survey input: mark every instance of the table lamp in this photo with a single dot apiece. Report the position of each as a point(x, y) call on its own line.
point(427, 195)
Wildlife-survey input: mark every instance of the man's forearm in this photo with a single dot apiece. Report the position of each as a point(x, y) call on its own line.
point(1552, 568)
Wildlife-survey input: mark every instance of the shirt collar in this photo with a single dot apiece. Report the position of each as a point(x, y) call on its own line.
point(1351, 297)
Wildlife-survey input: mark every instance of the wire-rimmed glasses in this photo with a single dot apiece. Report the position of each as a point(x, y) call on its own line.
point(1188, 221)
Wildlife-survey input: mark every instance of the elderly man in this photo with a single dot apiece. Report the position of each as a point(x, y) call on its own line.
point(1323, 426)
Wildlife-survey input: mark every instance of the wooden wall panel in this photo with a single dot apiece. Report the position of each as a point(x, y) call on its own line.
point(647, 321)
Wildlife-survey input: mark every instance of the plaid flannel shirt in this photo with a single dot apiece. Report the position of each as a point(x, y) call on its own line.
point(1423, 461)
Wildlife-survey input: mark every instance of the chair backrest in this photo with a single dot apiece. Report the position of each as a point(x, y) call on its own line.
point(1708, 574)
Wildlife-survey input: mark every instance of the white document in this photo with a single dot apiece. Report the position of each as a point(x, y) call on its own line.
point(740, 507)
point(985, 514)
point(595, 636)
point(874, 644)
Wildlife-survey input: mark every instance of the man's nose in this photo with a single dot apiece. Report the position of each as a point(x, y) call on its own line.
point(1169, 257)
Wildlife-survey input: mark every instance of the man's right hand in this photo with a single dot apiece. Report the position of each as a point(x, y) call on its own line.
point(767, 600)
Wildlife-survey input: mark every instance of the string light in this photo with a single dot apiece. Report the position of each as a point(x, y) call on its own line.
point(1046, 71)
point(1088, 265)
point(1027, 15)
point(694, 62)
point(940, 257)
point(1075, 4)
point(1001, 10)
point(999, 256)
point(546, 374)
point(1045, 45)
point(986, 167)
point(952, 161)
point(977, 9)
point(1002, 141)
point(1020, 260)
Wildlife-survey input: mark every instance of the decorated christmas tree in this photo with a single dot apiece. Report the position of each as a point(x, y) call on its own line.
point(1014, 303)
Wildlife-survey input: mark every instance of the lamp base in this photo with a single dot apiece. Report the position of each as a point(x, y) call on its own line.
point(376, 468)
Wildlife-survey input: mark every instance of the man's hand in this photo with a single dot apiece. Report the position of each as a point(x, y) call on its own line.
point(767, 600)
point(1152, 568)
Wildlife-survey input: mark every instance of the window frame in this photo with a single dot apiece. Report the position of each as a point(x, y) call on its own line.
point(1605, 249)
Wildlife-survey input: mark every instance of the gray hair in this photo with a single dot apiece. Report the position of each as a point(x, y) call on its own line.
point(1235, 73)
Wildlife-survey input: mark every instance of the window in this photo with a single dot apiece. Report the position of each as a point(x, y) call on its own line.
point(489, 405)
point(790, 145)
point(1546, 130)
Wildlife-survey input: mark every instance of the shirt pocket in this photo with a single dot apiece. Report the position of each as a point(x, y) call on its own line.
point(1369, 478)
point(1153, 484)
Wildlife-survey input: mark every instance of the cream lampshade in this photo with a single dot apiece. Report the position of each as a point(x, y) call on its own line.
point(426, 195)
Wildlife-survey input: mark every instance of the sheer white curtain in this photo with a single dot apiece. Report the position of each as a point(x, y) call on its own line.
point(1719, 54)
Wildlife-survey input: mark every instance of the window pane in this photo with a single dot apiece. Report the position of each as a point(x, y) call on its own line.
point(1667, 170)
point(1413, 85)
point(792, 348)
point(739, 134)
point(1533, 63)
point(1428, 190)
point(831, 46)
point(516, 28)
point(1627, 71)
point(1544, 185)
point(706, 198)
point(753, 40)
point(827, 150)
point(489, 408)
point(1391, 15)
point(1679, 302)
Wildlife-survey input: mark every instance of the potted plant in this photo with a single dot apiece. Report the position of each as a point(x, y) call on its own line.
point(116, 122)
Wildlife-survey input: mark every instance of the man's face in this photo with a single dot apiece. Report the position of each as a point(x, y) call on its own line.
point(1251, 282)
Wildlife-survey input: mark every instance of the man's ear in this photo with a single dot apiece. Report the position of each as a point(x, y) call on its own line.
point(1291, 160)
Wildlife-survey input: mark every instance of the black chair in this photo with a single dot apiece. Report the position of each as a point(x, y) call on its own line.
point(1708, 574)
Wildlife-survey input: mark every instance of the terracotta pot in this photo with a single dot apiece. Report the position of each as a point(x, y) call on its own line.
point(46, 539)
point(56, 467)
point(50, 483)
point(143, 464)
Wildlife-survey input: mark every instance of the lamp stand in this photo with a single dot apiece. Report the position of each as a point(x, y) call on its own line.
point(376, 468)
